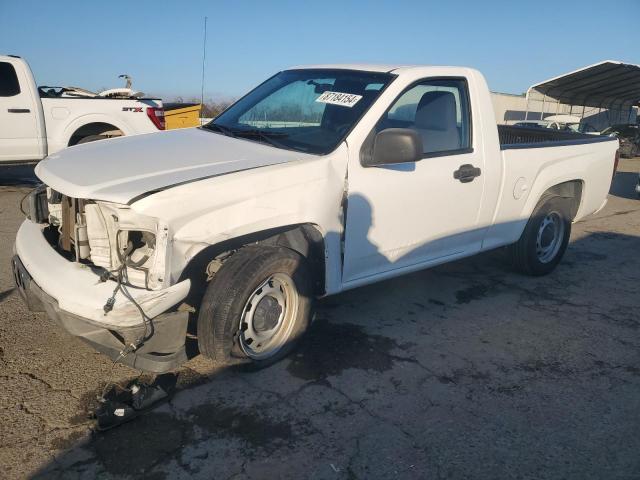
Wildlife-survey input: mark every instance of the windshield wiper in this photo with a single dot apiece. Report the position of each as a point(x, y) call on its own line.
point(266, 137)
point(224, 130)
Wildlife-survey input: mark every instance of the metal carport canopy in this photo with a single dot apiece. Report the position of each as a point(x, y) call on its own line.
point(600, 85)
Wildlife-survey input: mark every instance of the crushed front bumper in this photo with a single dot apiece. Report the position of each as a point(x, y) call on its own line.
point(73, 296)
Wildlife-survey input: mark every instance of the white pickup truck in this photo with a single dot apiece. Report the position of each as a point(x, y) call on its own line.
point(321, 179)
point(38, 121)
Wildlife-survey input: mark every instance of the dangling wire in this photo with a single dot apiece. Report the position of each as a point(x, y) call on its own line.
point(121, 280)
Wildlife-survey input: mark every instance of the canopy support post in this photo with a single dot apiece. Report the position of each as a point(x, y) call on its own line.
point(526, 108)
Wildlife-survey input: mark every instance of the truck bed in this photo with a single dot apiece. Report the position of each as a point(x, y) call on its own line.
point(523, 137)
point(535, 160)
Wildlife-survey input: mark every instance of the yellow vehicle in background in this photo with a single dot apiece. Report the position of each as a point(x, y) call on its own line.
point(181, 115)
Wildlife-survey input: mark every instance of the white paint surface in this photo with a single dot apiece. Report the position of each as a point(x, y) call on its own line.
point(399, 219)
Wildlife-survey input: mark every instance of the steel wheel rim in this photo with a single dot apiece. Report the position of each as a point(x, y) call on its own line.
point(550, 237)
point(261, 334)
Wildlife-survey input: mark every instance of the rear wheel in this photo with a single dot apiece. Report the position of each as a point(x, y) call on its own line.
point(257, 306)
point(544, 239)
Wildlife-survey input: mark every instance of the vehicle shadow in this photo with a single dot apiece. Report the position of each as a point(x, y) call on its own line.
point(18, 175)
point(391, 375)
point(624, 185)
point(6, 293)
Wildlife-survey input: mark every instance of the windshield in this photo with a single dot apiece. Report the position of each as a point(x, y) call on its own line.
point(623, 130)
point(306, 110)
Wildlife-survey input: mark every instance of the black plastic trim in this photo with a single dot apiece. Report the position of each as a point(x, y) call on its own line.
point(446, 153)
point(557, 143)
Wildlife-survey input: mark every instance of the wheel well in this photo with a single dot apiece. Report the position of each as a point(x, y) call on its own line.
point(97, 128)
point(571, 190)
point(306, 239)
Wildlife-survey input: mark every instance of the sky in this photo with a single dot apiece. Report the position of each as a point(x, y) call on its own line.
point(160, 43)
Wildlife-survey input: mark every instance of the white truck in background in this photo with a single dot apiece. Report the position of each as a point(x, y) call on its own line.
point(39, 121)
point(321, 179)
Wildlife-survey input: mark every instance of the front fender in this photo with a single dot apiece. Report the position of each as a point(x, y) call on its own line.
point(216, 210)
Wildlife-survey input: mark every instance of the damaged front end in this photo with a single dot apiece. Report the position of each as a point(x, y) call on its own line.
point(104, 235)
point(101, 270)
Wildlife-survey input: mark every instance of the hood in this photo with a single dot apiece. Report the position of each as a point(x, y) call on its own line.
point(121, 169)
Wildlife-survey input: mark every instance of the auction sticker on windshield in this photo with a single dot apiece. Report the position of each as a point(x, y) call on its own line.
point(338, 98)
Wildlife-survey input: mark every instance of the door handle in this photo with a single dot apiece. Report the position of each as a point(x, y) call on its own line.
point(466, 173)
point(18, 110)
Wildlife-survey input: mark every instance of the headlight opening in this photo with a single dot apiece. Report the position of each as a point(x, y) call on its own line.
point(136, 250)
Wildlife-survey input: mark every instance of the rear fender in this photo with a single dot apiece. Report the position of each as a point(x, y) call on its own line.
point(83, 120)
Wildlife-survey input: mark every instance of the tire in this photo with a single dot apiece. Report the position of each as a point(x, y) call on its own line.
point(530, 257)
point(264, 275)
point(91, 138)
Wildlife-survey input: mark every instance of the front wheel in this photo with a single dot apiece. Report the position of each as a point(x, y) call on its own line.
point(257, 306)
point(545, 238)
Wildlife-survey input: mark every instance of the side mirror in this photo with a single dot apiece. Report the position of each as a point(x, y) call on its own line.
point(396, 145)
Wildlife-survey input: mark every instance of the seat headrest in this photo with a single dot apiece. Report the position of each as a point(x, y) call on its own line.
point(436, 111)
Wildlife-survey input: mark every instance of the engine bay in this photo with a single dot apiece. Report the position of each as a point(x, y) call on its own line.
point(106, 236)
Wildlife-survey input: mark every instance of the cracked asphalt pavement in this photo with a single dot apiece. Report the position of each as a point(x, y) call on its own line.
point(467, 370)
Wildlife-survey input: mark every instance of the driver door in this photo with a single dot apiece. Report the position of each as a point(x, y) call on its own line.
point(405, 215)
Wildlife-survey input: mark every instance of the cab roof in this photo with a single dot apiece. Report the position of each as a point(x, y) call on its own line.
point(365, 67)
point(385, 68)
